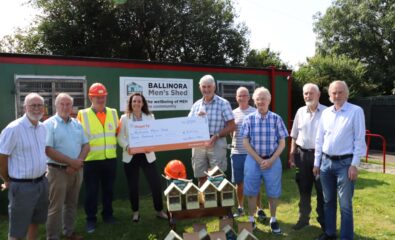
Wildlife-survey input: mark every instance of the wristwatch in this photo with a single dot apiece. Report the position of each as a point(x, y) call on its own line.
point(217, 135)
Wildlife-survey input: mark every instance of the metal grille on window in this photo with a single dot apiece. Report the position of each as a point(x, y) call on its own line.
point(49, 87)
point(227, 89)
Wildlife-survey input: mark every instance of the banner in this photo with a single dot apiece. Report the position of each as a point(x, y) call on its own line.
point(162, 94)
point(168, 134)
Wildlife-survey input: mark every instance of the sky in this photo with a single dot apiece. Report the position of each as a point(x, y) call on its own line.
point(286, 26)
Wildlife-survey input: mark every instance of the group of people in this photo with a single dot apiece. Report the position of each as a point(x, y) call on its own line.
point(43, 164)
point(326, 146)
point(47, 162)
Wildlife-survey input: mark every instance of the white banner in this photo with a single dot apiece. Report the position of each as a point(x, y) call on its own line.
point(168, 134)
point(162, 94)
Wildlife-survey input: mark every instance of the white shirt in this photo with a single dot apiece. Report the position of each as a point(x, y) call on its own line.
point(24, 144)
point(341, 132)
point(237, 139)
point(305, 125)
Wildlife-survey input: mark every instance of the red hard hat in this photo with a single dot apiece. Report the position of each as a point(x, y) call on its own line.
point(97, 90)
point(175, 169)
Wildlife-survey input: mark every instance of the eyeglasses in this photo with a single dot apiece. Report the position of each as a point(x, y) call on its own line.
point(37, 106)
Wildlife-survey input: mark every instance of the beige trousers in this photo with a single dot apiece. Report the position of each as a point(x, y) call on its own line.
point(64, 191)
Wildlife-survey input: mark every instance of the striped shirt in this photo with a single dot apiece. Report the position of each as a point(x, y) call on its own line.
point(264, 132)
point(218, 112)
point(24, 144)
point(237, 139)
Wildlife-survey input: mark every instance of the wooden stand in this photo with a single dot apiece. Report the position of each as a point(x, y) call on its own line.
point(198, 213)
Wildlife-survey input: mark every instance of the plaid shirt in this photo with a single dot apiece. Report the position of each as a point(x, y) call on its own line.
point(264, 132)
point(218, 112)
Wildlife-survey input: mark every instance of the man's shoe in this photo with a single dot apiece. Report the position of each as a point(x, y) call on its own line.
point(90, 227)
point(275, 227)
point(74, 236)
point(239, 213)
point(260, 214)
point(324, 236)
point(300, 224)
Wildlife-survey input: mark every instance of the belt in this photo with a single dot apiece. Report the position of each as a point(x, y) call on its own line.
point(306, 150)
point(338, 157)
point(56, 165)
point(267, 157)
point(28, 180)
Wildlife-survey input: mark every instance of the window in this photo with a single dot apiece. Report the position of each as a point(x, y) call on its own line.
point(227, 90)
point(49, 87)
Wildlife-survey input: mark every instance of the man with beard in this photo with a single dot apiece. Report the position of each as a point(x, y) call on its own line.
point(22, 168)
point(304, 130)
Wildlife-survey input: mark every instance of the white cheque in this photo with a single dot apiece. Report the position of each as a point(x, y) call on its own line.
point(168, 134)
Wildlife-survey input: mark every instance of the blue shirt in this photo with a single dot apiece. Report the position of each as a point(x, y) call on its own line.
point(65, 137)
point(24, 143)
point(218, 112)
point(341, 132)
point(264, 132)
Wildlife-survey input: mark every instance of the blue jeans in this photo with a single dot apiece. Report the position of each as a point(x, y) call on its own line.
point(334, 180)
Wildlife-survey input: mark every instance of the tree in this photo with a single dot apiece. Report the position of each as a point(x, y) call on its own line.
point(159, 30)
point(322, 70)
point(362, 30)
point(264, 58)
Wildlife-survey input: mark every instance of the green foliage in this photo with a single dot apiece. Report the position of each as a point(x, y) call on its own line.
point(322, 70)
point(362, 30)
point(264, 58)
point(159, 30)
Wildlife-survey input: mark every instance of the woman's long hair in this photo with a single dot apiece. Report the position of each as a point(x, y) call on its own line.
point(144, 109)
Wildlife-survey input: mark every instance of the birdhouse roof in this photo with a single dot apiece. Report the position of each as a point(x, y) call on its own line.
point(207, 185)
point(173, 236)
point(225, 183)
point(215, 171)
point(171, 187)
point(245, 233)
point(190, 186)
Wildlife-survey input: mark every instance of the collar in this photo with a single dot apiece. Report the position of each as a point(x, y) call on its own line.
point(345, 107)
point(212, 100)
point(59, 119)
point(105, 110)
point(26, 122)
point(258, 114)
point(319, 108)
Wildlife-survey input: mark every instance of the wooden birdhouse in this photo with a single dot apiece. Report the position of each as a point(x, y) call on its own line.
point(220, 235)
point(173, 236)
point(191, 194)
point(229, 232)
point(173, 197)
point(226, 192)
point(210, 194)
point(215, 171)
point(191, 236)
point(246, 235)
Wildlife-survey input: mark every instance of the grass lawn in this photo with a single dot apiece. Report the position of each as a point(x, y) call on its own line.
point(374, 215)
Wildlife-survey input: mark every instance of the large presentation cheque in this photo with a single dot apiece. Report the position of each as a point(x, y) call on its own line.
point(168, 134)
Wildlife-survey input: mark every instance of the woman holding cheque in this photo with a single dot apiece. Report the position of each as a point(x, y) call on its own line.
point(137, 110)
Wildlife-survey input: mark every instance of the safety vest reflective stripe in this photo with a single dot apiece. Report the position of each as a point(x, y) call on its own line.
point(101, 148)
point(101, 135)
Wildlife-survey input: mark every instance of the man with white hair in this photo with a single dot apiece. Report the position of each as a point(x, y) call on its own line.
point(340, 143)
point(303, 133)
point(66, 147)
point(22, 168)
point(264, 134)
point(221, 123)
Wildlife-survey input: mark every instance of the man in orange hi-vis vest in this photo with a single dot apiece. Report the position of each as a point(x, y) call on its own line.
point(100, 124)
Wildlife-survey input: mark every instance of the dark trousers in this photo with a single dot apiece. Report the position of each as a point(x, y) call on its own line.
point(304, 161)
point(99, 174)
point(132, 170)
